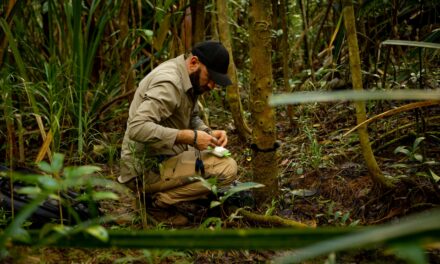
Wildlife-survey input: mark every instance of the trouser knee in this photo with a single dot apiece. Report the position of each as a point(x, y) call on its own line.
point(229, 172)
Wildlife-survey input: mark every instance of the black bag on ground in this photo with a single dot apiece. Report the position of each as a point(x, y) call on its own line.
point(49, 210)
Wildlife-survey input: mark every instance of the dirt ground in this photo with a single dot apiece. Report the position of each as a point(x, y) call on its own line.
point(335, 190)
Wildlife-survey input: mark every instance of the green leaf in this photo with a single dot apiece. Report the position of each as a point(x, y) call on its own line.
point(418, 157)
point(27, 178)
point(418, 44)
point(240, 187)
point(417, 142)
point(57, 163)
point(210, 222)
point(303, 192)
point(215, 203)
point(21, 235)
point(409, 228)
point(97, 196)
point(44, 166)
point(48, 182)
point(75, 172)
point(411, 252)
point(99, 232)
point(29, 190)
point(434, 176)
point(311, 97)
point(402, 149)
point(62, 229)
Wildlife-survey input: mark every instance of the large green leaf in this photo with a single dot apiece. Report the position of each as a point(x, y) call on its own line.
point(407, 231)
point(240, 187)
point(309, 97)
point(419, 44)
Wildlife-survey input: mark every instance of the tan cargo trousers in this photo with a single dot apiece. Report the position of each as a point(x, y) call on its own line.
point(176, 182)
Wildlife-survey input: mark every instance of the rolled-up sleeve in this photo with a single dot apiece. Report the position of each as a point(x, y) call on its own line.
point(196, 121)
point(159, 103)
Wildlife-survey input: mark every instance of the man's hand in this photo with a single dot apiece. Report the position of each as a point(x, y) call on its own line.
point(218, 138)
point(221, 137)
point(205, 140)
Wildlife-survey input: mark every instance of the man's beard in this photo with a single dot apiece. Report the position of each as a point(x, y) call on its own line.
point(195, 81)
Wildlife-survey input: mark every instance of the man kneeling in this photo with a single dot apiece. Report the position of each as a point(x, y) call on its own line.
point(165, 143)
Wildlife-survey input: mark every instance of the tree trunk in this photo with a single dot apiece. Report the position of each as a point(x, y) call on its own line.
point(285, 45)
point(305, 29)
point(232, 91)
point(264, 165)
point(127, 74)
point(186, 30)
point(355, 65)
point(198, 19)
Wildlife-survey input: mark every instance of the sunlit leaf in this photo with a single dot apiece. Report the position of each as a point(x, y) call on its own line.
point(215, 203)
point(29, 190)
point(402, 149)
point(418, 157)
point(434, 176)
point(48, 182)
point(417, 142)
point(419, 44)
point(422, 223)
point(44, 166)
point(303, 192)
point(57, 163)
point(240, 187)
point(75, 172)
point(97, 196)
point(99, 232)
point(352, 95)
point(62, 229)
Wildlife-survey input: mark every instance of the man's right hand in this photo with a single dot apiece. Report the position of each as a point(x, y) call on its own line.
point(203, 139)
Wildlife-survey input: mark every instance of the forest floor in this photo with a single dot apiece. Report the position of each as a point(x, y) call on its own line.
point(323, 182)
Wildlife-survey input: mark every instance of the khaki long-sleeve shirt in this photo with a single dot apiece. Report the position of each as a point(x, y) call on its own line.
point(162, 105)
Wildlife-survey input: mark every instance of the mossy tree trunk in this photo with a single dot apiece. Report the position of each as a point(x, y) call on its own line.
point(355, 66)
point(232, 91)
point(264, 163)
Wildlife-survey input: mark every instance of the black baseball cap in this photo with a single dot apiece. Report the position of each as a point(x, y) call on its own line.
point(216, 59)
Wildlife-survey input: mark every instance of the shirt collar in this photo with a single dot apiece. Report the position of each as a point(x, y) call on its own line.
point(184, 72)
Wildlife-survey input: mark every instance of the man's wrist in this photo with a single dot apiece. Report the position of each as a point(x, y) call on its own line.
point(208, 130)
point(195, 139)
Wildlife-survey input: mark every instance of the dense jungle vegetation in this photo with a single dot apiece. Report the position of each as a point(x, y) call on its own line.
point(349, 177)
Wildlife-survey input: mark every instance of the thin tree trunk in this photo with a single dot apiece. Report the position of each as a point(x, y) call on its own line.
point(186, 35)
point(264, 165)
point(355, 65)
point(307, 51)
point(4, 41)
point(285, 45)
point(215, 34)
point(198, 16)
point(232, 91)
point(127, 74)
point(324, 19)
